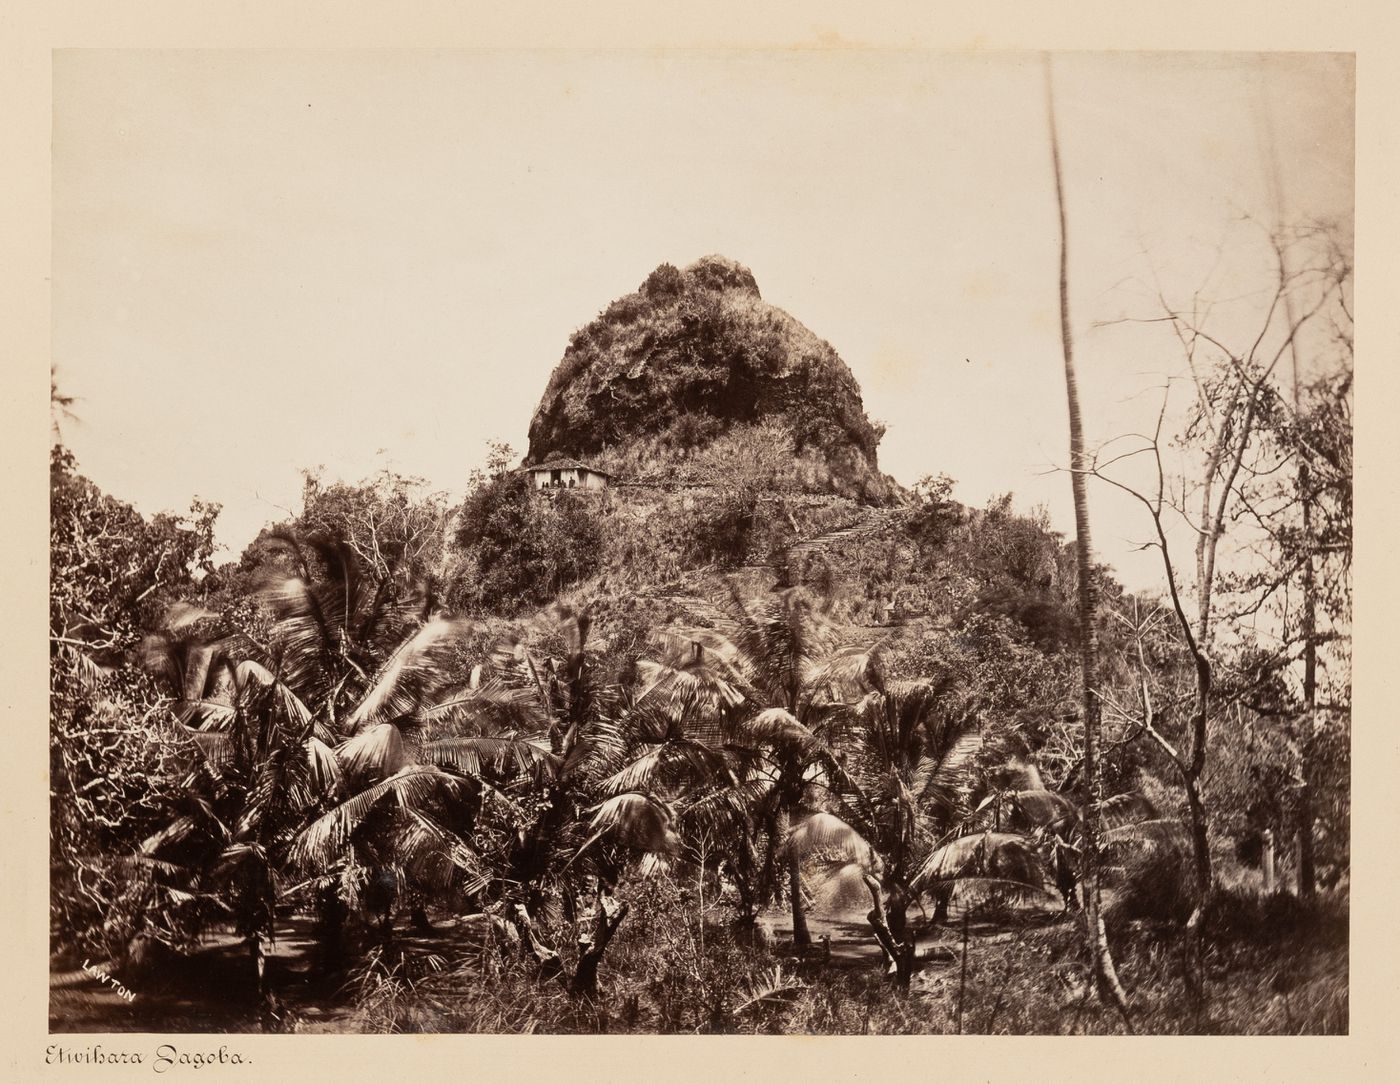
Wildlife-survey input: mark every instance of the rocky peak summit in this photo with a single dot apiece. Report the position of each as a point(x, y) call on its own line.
point(696, 354)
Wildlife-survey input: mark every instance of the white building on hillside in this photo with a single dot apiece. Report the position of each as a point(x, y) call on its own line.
point(567, 474)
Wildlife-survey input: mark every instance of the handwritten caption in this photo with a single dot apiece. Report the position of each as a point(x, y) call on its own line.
point(163, 1058)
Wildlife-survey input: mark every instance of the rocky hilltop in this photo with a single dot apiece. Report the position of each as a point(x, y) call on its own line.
point(694, 355)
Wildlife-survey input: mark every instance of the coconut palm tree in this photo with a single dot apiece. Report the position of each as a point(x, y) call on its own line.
point(914, 750)
point(594, 795)
point(361, 652)
point(557, 668)
point(419, 748)
point(259, 771)
point(332, 627)
point(324, 679)
point(759, 696)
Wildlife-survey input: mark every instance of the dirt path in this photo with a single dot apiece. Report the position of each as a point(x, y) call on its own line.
point(852, 942)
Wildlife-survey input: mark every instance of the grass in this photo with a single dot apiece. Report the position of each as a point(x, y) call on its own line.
point(1272, 967)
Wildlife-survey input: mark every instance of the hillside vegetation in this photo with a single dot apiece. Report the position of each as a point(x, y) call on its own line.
point(752, 740)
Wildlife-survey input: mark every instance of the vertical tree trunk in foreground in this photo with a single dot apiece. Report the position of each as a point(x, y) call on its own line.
point(607, 915)
point(892, 932)
point(800, 934)
point(547, 958)
point(1105, 976)
point(597, 924)
point(331, 914)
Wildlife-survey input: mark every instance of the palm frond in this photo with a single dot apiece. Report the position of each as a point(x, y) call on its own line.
point(437, 858)
point(325, 840)
point(249, 672)
point(691, 684)
point(399, 685)
point(196, 677)
point(667, 765)
point(178, 830)
point(1121, 810)
point(1149, 837)
point(491, 701)
point(373, 754)
point(1046, 809)
point(828, 840)
point(841, 887)
point(215, 746)
point(1001, 855)
point(325, 770)
point(945, 778)
point(640, 774)
point(204, 714)
point(239, 855)
point(770, 988)
point(850, 669)
point(638, 820)
point(724, 809)
point(473, 756)
point(598, 750)
point(779, 727)
point(89, 671)
point(654, 864)
point(145, 865)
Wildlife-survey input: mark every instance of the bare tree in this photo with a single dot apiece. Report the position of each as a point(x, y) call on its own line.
point(1236, 405)
point(1306, 489)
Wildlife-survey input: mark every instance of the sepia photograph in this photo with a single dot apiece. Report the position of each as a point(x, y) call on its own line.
point(836, 541)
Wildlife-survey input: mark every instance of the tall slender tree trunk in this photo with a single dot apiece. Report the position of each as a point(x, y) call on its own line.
point(268, 1009)
point(1104, 973)
point(768, 882)
point(259, 962)
point(891, 930)
point(1200, 840)
point(1307, 876)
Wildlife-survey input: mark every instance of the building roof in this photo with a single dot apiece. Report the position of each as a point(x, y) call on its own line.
point(566, 464)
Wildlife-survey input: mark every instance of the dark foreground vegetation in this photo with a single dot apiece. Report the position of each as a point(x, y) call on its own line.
point(1020, 977)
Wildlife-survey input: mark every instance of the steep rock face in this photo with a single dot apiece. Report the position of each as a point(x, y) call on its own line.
point(689, 356)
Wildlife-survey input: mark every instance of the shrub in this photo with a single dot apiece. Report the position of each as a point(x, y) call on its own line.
point(664, 284)
point(1241, 917)
point(721, 529)
point(523, 548)
point(721, 273)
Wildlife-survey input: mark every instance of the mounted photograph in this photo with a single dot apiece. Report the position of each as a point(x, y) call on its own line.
point(678, 541)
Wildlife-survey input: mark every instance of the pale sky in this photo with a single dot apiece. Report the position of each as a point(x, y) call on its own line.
point(269, 261)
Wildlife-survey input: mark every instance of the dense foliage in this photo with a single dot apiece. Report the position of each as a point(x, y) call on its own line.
point(566, 760)
point(115, 760)
point(313, 731)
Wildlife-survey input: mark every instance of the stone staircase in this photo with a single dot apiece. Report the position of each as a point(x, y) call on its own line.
point(870, 521)
point(875, 520)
